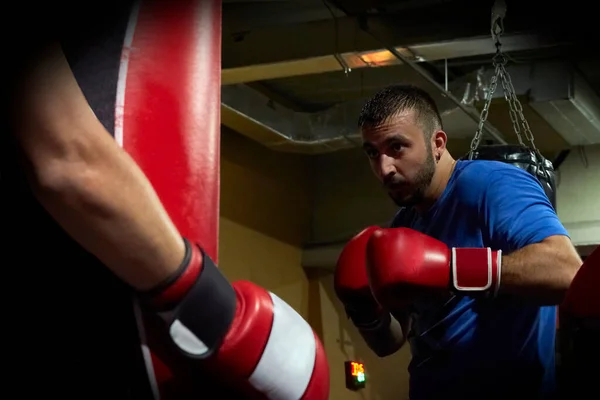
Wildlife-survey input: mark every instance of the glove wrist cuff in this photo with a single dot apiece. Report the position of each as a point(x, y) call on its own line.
point(366, 319)
point(476, 270)
point(170, 291)
point(376, 324)
point(197, 304)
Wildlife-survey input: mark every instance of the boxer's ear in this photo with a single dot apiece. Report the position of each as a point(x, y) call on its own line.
point(438, 144)
point(439, 140)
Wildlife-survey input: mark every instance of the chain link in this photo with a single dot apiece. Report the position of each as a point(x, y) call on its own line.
point(513, 109)
point(517, 117)
point(516, 108)
point(486, 109)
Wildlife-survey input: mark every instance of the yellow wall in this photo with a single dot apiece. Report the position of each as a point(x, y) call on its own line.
point(348, 197)
point(387, 378)
point(266, 216)
point(265, 209)
point(577, 194)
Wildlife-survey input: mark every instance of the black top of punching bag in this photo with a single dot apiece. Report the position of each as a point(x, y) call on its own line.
point(69, 326)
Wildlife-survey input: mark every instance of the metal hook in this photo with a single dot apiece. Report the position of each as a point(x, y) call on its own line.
point(497, 23)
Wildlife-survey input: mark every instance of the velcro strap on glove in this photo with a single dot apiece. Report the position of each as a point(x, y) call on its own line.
point(198, 303)
point(476, 270)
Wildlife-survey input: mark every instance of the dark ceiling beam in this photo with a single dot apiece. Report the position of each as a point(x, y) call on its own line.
point(442, 22)
point(240, 17)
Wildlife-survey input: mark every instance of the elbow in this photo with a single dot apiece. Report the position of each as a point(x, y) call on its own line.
point(555, 288)
point(564, 263)
point(568, 272)
point(568, 266)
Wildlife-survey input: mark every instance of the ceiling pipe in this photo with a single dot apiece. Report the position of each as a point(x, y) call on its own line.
point(487, 126)
point(377, 58)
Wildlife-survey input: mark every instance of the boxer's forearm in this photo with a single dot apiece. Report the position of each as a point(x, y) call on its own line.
point(113, 212)
point(385, 338)
point(92, 188)
point(541, 272)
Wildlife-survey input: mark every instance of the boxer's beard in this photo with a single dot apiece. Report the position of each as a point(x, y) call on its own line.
point(419, 185)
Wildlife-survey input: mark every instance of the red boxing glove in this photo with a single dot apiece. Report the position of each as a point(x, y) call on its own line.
point(351, 282)
point(582, 299)
point(405, 265)
point(241, 331)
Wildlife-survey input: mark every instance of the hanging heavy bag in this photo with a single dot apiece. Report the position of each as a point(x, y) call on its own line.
point(522, 157)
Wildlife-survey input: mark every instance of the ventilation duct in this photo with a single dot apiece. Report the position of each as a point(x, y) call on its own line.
point(255, 115)
point(556, 92)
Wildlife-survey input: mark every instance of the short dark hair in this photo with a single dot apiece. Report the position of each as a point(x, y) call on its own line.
point(395, 99)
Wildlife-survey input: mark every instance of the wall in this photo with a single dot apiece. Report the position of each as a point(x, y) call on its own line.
point(578, 194)
point(264, 217)
point(387, 378)
point(347, 197)
point(266, 209)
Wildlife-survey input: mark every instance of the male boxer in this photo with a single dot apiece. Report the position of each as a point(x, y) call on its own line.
point(98, 194)
point(471, 269)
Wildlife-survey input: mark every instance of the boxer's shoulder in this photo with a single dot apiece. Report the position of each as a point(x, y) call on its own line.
point(466, 170)
point(470, 170)
point(474, 176)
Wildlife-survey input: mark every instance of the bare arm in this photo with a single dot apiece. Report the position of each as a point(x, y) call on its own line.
point(90, 186)
point(518, 215)
point(541, 271)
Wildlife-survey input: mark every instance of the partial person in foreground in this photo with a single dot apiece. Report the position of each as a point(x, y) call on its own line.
point(102, 199)
point(470, 270)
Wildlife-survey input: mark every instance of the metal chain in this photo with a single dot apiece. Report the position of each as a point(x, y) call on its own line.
point(516, 108)
point(509, 96)
point(486, 109)
point(499, 62)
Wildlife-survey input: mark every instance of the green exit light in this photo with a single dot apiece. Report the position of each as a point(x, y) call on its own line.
point(355, 375)
point(360, 377)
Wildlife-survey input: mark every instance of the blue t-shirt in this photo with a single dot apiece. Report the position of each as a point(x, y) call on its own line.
point(465, 348)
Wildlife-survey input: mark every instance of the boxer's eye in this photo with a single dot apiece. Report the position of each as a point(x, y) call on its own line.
point(396, 147)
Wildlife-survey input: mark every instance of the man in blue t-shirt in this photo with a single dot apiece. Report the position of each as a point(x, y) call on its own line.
point(473, 283)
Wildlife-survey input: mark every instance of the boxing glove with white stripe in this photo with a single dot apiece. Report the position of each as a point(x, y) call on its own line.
point(404, 265)
point(240, 331)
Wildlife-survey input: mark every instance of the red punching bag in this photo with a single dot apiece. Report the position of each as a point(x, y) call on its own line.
point(167, 117)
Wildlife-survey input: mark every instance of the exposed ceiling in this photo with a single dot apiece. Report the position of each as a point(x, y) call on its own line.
point(295, 73)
